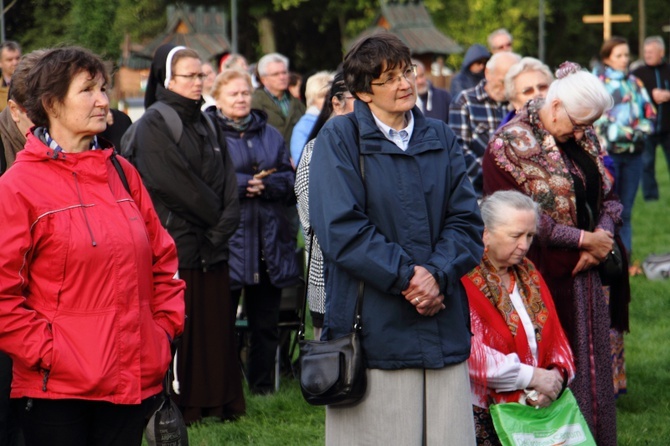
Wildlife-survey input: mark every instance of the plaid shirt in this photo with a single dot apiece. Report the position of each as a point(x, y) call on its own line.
point(474, 117)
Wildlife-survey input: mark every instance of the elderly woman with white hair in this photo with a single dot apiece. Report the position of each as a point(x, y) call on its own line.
point(316, 90)
point(551, 153)
point(519, 350)
point(528, 79)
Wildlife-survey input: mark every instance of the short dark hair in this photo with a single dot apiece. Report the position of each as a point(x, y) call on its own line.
point(9, 45)
point(18, 89)
point(49, 80)
point(370, 57)
point(609, 44)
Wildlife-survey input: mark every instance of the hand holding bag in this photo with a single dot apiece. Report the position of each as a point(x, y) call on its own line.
point(561, 423)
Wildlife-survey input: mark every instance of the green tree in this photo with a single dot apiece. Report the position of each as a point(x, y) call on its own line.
point(89, 26)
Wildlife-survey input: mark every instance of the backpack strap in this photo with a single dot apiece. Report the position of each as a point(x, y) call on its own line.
point(122, 174)
point(3, 159)
point(171, 118)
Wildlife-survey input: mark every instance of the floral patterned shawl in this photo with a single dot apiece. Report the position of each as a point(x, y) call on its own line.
point(529, 153)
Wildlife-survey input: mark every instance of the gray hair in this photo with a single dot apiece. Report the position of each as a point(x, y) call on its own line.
point(9, 45)
point(267, 60)
point(495, 206)
point(524, 65)
point(498, 32)
point(491, 64)
point(317, 86)
point(658, 40)
point(582, 94)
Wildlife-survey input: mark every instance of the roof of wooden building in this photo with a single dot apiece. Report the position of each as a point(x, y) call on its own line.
point(203, 30)
point(411, 22)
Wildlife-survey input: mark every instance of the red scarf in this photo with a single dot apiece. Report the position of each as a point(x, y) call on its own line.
point(496, 324)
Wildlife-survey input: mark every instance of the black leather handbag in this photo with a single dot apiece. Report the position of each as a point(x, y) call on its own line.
point(613, 266)
point(332, 372)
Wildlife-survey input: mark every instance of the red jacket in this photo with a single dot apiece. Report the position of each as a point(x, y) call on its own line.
point(88, 298)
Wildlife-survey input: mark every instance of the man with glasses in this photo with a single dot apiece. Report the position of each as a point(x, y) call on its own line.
point(391, 205)
point(477, 112)
point(273, 98)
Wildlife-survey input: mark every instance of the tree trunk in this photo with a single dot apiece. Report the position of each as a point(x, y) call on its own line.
point(266, 35)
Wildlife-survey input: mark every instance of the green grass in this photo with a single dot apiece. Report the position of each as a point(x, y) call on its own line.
point(643, 415)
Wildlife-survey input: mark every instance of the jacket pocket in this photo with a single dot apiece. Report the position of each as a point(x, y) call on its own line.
point(85, 355)
point(155, 353)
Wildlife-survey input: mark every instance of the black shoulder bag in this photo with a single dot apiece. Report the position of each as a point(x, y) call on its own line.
point(333, 372)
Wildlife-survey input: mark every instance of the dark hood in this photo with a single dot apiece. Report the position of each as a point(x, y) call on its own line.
point(475, 52)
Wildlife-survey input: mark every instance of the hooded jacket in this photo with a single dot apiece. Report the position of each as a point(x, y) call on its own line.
point(414, 207)
point(88, 298)
point(465, 79)
point(192, 181)
point(264, 229)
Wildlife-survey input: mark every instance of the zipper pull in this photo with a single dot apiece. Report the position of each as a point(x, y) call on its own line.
point(44, 380)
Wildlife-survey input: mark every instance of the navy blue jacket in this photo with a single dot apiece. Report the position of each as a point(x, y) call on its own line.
point(416, 208)
point(439, 100)
point(264, 230)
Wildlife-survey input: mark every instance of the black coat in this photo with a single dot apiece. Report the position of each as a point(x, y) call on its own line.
point(192, 183)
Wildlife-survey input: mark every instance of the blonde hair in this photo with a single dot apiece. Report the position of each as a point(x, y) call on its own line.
point(317, 86)
point(227, 76)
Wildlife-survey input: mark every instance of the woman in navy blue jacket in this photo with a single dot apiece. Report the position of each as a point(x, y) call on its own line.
point(262, 250)
point(409, 227)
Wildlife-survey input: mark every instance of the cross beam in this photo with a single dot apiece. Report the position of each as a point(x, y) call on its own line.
point(607, 19)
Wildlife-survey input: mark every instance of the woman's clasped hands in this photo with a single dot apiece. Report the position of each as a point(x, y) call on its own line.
point(595, 248)
point(424, 293)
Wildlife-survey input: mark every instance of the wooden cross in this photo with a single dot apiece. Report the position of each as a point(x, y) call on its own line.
point(607, 19)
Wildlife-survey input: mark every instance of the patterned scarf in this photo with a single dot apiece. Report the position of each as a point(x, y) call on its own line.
point(239, 125)
point(526, 150)
point(528, 282)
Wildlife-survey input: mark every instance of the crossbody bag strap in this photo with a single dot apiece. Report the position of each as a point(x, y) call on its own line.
point(358, 324)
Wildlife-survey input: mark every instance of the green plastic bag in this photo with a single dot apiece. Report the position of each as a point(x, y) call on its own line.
point(561, 423)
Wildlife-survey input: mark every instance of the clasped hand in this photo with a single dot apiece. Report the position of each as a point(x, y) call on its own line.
point(424, 293)
point(596, 246)
point(255, 187)
point(548, 384)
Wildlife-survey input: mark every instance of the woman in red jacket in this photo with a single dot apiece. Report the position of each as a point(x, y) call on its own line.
point(88, 296)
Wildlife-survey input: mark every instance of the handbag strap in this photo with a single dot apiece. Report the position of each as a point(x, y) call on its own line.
point(357, 325)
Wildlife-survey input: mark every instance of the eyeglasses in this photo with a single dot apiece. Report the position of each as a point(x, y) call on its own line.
point(577, 127)
point(192, 77)
point(504, 46)
point(537, 89)
point(409, 74)
point(277, 73)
